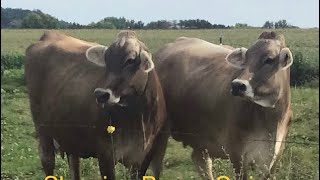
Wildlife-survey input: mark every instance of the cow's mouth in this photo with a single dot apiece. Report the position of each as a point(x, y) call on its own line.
point(103, 98)
point(106, 97)
point(267, 101)
point(122, 102)
point(103, 102)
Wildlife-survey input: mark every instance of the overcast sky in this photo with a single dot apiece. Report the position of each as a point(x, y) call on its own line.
point(228, 12)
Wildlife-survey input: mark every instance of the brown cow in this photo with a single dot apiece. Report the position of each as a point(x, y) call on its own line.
point(77, 89)
point(247, 124)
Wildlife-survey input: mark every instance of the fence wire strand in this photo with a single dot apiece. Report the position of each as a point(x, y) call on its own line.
point(178, 133)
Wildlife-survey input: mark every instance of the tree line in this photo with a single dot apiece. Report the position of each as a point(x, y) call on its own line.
point(276, 25)
point(18, 18)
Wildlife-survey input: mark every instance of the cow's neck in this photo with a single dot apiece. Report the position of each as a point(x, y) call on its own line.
point(153, 108)
point(150, 94)
point(266, 120)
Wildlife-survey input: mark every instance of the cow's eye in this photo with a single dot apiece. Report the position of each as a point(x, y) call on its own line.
point(130, 61)
point(268, 61)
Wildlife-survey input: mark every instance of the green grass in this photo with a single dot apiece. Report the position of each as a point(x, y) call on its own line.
point(19, 152)
point(303, 43)
point(306, 41)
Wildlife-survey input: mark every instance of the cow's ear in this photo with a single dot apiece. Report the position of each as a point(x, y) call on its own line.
point(146, 61)
point(285, 58)
point(237, 58)
point(95, 54)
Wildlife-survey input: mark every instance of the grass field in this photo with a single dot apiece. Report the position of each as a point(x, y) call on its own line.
point(19, 157)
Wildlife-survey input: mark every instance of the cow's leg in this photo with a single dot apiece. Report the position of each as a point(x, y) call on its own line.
point(135, 173)
point(159, 152)
point(106, 161)
point(155, 155)
point(240, 174)
point(203, 164)
point(47, 156)
point(144, 165)
point(74, 166)
point(238, 164)
point(106, 167)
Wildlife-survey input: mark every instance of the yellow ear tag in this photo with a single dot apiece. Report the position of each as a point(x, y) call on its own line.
point(111, 129)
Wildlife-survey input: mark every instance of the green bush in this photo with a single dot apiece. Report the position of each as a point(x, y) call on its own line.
point(303, 70)
point(11, 61)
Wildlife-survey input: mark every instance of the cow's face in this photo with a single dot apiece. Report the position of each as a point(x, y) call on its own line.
point(262, 69)
point(127, 63)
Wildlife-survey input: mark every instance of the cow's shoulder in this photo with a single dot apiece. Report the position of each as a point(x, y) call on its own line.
point(55, 42)
point(228, 47)
point(71, 45)
point(52, 35)
point(188, 40)
point(198, 47)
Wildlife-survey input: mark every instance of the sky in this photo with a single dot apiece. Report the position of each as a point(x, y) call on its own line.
point(300, 13)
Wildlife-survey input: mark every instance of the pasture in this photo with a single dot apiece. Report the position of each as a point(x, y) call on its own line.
point(19, 154)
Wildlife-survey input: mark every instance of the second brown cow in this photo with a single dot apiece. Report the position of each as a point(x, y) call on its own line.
point(228, 103)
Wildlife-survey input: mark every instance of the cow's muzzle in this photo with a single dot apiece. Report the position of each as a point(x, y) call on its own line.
point(105, 96)
point(241, 87)
point(238, 88)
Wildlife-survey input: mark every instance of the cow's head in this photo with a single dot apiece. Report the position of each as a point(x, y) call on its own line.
point(127, 63)
point(263, 66)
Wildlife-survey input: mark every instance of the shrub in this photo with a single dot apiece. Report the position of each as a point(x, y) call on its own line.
point(303, 71)
point(11, 61)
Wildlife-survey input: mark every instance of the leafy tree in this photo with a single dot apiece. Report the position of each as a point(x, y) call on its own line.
point(219, 26)
point(105, 25)
point(175, 24)
point(63, 25)
point(162, 24)
point(268, 25)
point(281, 24)
point(139, 25)
point(10, 18)
point(16, 23)
point(49, 21)
point(38, 20)
point(33, 20)
point(241, 25)
point(112, 23)
point(135, 25)
point(195, 24)
point(117, 23)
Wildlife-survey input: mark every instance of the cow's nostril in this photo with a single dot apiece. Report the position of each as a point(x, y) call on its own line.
point(102, 95)
point(242, 87)
point(103, 98)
